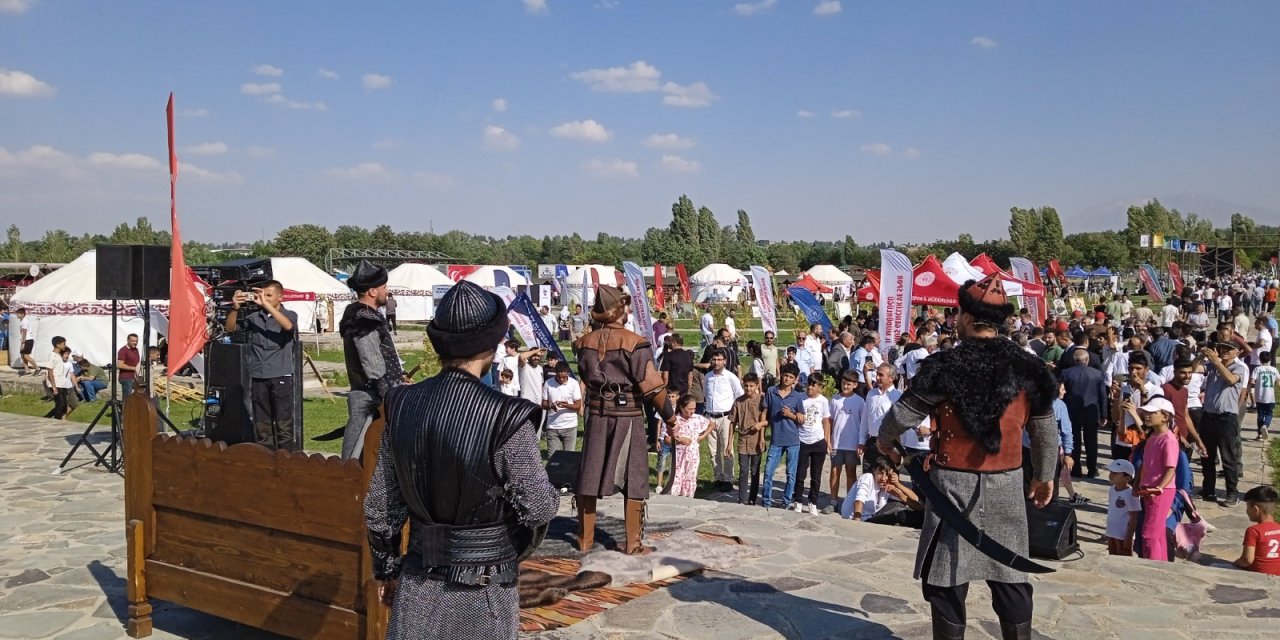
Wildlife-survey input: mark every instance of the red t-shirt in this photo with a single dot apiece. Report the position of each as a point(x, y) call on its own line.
point(1178, 398)
point(1264, 537)
point(129, 357)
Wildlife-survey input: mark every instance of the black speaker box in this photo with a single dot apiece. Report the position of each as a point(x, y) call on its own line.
point(562, 469)
point(230, 418)
point(132, 272)
point(1052, 530)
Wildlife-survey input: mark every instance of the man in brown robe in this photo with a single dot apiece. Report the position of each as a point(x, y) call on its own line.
point(617, 369)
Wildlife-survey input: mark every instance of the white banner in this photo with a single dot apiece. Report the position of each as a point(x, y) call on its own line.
point(639, 303)
point(895, 297)
point(764, 297)
point(522, 323)
point(544, 295)
point(1025, 270)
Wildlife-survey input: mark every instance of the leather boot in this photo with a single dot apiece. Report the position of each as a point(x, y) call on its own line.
point(586, 522)
point(1010, 631)
point(635, 529)
point(943, 629)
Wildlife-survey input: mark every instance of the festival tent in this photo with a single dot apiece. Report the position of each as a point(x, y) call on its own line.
point(832, 277)
point(596, 274)
point(716, 282)
point(933, 285)
point(413, 285)
point(65, 303)
point(809, 283)
point(1101, 272)
point(1077, 272)
point(310, 292)
point(983, 262)
point(489, 276)
point(870, 292)
point(960, 270)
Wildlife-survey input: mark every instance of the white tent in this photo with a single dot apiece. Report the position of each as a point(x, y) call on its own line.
point(832, 277)
point(959, 269)
point(573, 282)
point(311, 293)
point(64, 303)
point(487, 277)
point(716, 282)
point(413, 285)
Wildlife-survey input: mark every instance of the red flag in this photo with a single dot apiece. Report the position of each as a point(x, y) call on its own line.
point(659, 300)
point(187, 329)
point(1055, 271)
point(684, 281)
point(1175, 275)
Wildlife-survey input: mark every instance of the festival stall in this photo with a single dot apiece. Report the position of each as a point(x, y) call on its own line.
point(935, 285)
point(489, 276)
point(1077, 273)
point(983, 262)
point(317, 297)
point(595, 275)
point(716, 283)
point(413, 284)
point(832, 277)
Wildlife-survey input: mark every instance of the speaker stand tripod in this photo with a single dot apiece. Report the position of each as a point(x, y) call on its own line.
point(110, 457)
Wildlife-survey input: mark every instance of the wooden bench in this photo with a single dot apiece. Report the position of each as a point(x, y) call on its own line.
point(273, 540)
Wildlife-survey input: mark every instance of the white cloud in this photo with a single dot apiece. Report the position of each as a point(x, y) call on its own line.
point(375, 81)
point(694, 95)
point(676, 164)
point(23, 85)
point(876, 149)
point(752, 8)
point(846, 113)
point(983, 42)
point(827, 8)
point(608, 4)
point(588, 130)
point(132, 161)
point(363, 171)
point(188, 170)
point(255, 89)
point(207, 149)
point(911, 152)
point(637, 77)
point(268, 70)
point(40, 156)
point(804, 113)
point(668, 141)
point(429, 180)
point(386, 143)
point(194, 113)
point(536, 7)
point(260, 152)
point(281, 101)
point(611, 168)
point(499, 105)
point(498, 139)
point(327, 74)
point(15, 6)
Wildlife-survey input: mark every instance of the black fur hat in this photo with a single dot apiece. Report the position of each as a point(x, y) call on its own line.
point(986, 301)
point(469, 321)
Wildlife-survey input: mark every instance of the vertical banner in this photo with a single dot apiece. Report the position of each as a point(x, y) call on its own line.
point(562, 283)
point(684, 282)
point(811, 308)
point(544, 295)
point(895, 296)
point(1151, 280)
point(187, 329)
point(1055, 271)
point(522, 323)
point(764, 297)
point(1175, 276)
point(586, 298)
point(659, 296)
point(1025, 270)
point(521, 307)
point(639, 303)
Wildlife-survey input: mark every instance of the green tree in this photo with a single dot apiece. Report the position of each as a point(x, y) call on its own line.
point(1095, 249)
point(684, 231)
point(383, 237)
point(782, 257)
point(849, 252)
point(13, 248)
point(351, 237)
point(1048, 238)
point(1242, 224)
point(310, 241)
point(659, 246)
point(708, 237)
point(1023, 225)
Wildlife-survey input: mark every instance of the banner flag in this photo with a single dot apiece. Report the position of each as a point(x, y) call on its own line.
point(1175, 276)
point(895, 296)
point(1151, 280)
point(764, 297)
point(1025, 270)
point(522, 307)
point(456, 272)
point(188, 331)
point(586, 297)
point(639, 303)
point(659, 296)
point(1055, 271)
point(684, 282)
point(811, 308)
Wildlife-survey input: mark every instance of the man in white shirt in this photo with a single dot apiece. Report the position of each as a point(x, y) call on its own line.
point(548, 320)
point(847, 408)
point(816, 344)
point(910, 363)
point(1224, 306)
point(1168, 314)
point(708, 327)
point(878, 402)
point(1126, 307)
point(1138, 389)
point(804, 357)
point(731, 324)
point(721, 388)
point(27, 341)
point(531, 376)
point(562, 399)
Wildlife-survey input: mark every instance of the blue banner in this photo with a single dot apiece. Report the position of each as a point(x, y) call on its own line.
point(524, 306)
point(812, 309)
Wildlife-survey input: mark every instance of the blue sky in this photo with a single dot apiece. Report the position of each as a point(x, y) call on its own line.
point(887, 121)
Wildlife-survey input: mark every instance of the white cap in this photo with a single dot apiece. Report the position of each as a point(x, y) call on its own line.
point(1121, 466)
point(1157, 403)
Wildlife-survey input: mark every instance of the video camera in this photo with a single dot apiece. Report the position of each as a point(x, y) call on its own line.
point(230, 277)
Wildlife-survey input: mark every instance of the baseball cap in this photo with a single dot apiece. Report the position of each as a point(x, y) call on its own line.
point(1121, 466)
point(1157, 403)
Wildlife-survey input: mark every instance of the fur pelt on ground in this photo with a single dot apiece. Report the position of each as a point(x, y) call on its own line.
point(539, 588)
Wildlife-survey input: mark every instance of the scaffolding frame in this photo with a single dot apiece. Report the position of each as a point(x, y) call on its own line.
point(383, 255)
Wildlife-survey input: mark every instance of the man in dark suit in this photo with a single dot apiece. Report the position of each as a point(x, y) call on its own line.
point(1086, 399)
point(1079, 342)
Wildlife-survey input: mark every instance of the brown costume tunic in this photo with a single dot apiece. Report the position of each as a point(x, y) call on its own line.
point(616, 366)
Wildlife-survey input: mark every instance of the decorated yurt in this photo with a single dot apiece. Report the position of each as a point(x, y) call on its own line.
point(413, 285)
point(490, 276)
point(317, 297)
point(594, 274)
point(716, 283)
point(832, 277)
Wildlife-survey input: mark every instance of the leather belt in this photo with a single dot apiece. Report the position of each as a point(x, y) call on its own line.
point(711, 414)
point(504, 574)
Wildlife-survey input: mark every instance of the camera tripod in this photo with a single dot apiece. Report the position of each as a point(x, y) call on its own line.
point(116, 460)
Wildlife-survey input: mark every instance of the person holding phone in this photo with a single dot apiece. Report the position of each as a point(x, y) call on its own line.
point(273, 338)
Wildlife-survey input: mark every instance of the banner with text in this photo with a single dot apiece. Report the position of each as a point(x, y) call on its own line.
point(1175, 276)
point(764, 297)
point(1025, 270)
point(659, 296)
point(810, 306)
point(639, 303)
point(1151, 280)
point(522, 307)
point(895, 296)
point(522, 323)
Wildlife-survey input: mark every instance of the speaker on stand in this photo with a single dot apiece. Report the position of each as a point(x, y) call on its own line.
point(1052, 530)
point(228, 411)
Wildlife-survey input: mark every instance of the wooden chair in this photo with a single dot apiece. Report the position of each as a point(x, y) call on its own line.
point(273, 540)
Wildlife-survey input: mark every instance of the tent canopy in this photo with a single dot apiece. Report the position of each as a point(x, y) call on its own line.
point(960, 270)
point(716, 282)
point(812, 285)
point(933, 285)
point(983, 262)
point(596, 274)
point(322, 293)
point(491, 276)
point(1077, 272)
point(829, 275)
point(413, 285)
point(1101, 272)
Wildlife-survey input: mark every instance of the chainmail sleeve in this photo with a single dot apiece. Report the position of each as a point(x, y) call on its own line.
point(1045, 441)
point(385, 514)
point(520, 470)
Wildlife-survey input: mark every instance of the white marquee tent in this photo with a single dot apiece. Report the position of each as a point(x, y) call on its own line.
point(486, 276)
point(830, 276)
point(959, 269)
point(311, 293)
point(716, 282)
point(573, 282)
point(413, 285)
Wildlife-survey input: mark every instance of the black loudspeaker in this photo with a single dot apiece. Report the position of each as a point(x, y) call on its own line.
point(133, 272)
point(562, 470)
point(228, 412)
point(1052, 530)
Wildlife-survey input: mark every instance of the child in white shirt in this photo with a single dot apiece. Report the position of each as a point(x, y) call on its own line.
point(1122, 509)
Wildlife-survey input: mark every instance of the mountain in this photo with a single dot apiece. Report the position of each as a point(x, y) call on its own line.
point(1111, 215)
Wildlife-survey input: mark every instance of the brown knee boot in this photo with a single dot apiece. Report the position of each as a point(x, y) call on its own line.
point(586, 522)
point(635, 529)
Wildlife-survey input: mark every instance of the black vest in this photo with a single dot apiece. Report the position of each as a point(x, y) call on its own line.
point(444, 435)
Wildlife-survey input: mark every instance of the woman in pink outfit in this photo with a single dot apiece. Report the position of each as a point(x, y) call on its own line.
point(688, 432)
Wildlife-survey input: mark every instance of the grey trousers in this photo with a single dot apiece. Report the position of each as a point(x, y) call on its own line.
point(561, 440)
point(362, 406)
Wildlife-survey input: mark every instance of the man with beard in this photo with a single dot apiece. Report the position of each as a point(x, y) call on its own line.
point(980, 396)
point(458, 461)
point(373, 366)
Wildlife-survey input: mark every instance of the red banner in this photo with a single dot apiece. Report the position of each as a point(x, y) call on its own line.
point(457, 272)
point(290, 295)
point(188, 331)
point(1055, 271)
point(684, 281)
point(659, 300)
point(1175, 276)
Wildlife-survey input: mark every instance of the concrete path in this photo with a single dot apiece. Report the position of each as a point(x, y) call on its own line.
point(62, 568)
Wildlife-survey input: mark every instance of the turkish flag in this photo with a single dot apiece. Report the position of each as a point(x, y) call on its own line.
point(188, 331)
point(658, 300)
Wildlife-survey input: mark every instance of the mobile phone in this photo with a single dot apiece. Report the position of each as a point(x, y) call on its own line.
point(1120, 377)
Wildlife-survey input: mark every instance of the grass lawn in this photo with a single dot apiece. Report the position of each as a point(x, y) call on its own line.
point(1273, 455)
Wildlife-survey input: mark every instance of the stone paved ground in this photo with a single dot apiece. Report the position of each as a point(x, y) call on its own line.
point(62, 568)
